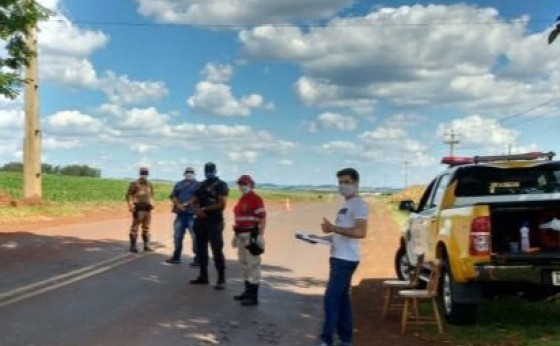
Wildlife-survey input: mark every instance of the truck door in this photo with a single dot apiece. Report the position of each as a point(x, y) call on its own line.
point(415, 237)
point(433, 214)
point(424, 224)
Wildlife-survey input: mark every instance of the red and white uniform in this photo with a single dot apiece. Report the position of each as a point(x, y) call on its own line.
point(248, 211)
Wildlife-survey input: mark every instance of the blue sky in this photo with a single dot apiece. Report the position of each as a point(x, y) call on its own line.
point(290, 91)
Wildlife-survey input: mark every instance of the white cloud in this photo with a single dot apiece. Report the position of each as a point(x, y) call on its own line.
point(288, 163)
point(385, 56)
point(73, 123)
point(142, 148)
point(122, 90)
point(11, 119)
point(217, 73)
point(239, 12)
point(60, 37)
point(384, 133)
point(337, 121)
point(143, 119)
point(217, 99)
point(244, 157)
point(480, 131)
point(69, 71)
point(51, 143)
point(340, 146)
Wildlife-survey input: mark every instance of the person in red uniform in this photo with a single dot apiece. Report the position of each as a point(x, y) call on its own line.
point(249, 226)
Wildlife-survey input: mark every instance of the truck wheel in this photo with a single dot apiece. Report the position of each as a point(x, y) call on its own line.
point(455, 313)
point(402, 264)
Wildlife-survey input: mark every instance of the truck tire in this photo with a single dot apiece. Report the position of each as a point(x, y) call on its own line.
point(454, 312)
point(402, 264)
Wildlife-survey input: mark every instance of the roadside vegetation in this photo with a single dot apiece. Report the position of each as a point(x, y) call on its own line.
point(504, 321)
point(70, 195)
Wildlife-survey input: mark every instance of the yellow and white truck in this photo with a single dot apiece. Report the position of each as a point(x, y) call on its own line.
point(471, 218)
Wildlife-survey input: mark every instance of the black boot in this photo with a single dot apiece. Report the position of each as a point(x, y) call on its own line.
point(202, 278)
point(244, 294)
point(221, 283)
point(253, 297)
point(146, 239)
point(132, 237)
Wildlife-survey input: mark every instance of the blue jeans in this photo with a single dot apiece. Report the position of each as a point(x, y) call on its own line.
point(183, 221)
point(337, 305)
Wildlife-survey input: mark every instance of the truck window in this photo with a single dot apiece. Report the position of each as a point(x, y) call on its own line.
point(425, 196)
point(437, 197)
point(495, 181)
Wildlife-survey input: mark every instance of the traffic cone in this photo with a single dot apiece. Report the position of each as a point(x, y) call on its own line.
point(287, 205)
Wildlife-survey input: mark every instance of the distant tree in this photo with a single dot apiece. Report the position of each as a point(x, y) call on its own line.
point(80, 171)
point(16, 17)
point(555, 32)
point(12, 167)
point(74, 170)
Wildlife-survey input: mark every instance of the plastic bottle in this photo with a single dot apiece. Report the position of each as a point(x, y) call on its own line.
point(524, 233)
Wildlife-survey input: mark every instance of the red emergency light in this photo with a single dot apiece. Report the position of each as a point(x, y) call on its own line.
point(535, 155)
point(456, 160)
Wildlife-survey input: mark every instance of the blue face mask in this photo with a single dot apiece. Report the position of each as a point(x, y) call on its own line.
point(210, 175)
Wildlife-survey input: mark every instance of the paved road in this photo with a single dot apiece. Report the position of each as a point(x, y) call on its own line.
point(76, 285)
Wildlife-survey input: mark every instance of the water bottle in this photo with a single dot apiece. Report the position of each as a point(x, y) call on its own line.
point(524, 233)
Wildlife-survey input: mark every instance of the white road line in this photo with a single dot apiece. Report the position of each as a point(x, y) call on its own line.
point(67, 282)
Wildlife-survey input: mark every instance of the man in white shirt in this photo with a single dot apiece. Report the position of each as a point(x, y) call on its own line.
point(349, 227)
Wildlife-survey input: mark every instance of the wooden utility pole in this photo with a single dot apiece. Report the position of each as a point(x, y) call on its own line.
point(32, 188)
point(406, 163)
point(452, 142)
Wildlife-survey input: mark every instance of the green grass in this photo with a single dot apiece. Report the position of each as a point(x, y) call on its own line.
point(67, 195)
point(505, 321)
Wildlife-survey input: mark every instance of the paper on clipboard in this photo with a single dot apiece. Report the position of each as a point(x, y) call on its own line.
point(313, 239)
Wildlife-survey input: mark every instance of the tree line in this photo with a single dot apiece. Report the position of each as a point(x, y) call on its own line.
point(74, 170)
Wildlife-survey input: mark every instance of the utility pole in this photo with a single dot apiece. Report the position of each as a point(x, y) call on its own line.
point(452, 142)
point(406, 173)
point(32, 188)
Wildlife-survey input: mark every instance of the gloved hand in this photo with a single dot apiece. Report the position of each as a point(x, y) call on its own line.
point(234, 241)
point(260, 241)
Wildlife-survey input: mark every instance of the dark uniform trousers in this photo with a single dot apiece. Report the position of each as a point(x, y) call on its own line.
point(210, 231)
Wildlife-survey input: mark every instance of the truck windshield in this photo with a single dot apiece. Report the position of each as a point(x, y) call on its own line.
point(491, 181)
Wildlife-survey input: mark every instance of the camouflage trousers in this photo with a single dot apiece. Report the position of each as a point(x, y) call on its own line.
point(141, 219)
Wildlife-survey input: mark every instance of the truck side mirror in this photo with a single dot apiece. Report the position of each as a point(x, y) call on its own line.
point(407, 205)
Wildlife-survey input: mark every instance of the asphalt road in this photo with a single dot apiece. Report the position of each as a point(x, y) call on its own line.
point(77, 285)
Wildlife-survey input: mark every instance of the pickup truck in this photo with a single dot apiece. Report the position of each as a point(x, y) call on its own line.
point(470, 217)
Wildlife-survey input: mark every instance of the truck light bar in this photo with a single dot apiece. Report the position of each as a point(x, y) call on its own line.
point(456, 161)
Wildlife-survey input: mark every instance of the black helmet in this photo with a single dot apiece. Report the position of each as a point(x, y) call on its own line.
point(210, 167)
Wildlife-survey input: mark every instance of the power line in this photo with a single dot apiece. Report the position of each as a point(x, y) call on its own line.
point(515, 115)
point(278, 24)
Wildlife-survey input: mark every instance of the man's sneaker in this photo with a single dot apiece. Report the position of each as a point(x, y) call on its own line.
point(220, 285)
point(194, 264)
point(199, 281)
point(173, 261)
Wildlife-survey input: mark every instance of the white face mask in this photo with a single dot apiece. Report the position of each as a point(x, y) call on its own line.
point(189, 176)
point(347, 190)
point(244, 188)
point(144, 176)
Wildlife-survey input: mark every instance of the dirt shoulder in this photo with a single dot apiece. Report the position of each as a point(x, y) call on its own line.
point(377, 264)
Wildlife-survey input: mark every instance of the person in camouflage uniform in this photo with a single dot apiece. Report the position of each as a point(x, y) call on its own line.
point(139, 197)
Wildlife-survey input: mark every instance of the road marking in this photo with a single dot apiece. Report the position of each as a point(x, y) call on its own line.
point(47, 285)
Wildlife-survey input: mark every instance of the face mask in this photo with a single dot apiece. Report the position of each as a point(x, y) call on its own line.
point(347, 190)
point(189, 176)
point(210, 175)
point(244, 188)
point(144, 176)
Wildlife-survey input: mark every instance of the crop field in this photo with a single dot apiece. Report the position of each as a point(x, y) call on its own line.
point(67, 195)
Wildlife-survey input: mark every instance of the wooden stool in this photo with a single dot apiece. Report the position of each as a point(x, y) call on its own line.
point(392, 286)
point(413, 296)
